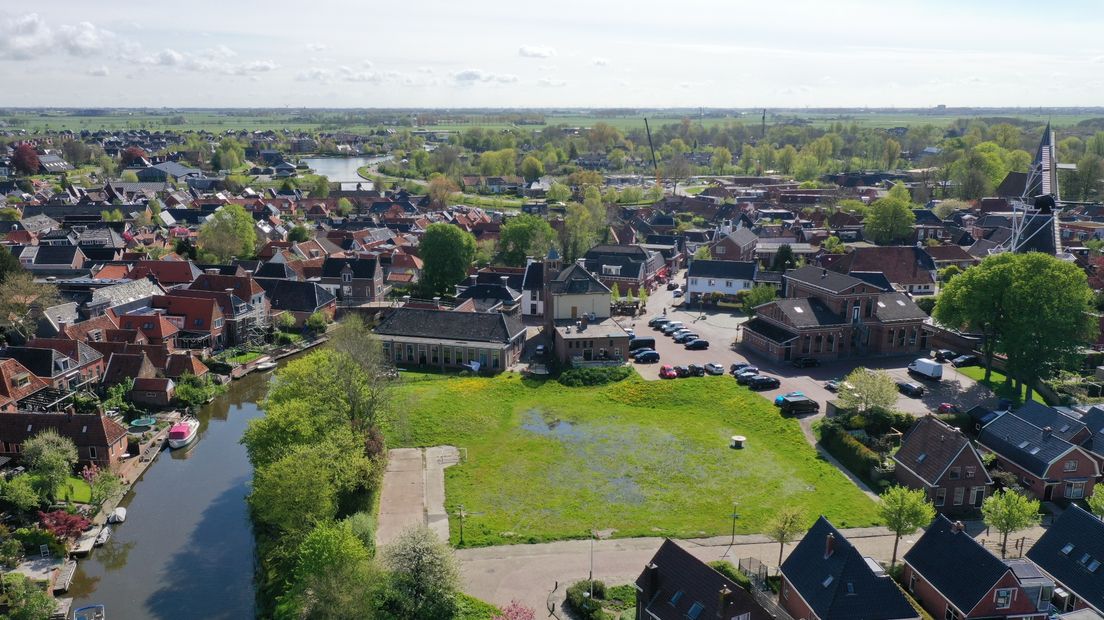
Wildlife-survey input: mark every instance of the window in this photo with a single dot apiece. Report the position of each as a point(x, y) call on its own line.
point(952, 613)
point(1067, 549)
point(92, 452)
point(346, 277)
point(199, 322)
point(712, 282)
point(218, 323)
point(720, 249)
point(448, 355)
point(728, 283)
point(1070, 465)
point(831, 342)
point(147, 325)
point(1075, 490)
point(940, 497)
point(912, 583)
point(693, 281)
point(695, 611)
point(970, 472)
point(955, 473)
point(1003, 598)
point(959, 494)
point(675, 598)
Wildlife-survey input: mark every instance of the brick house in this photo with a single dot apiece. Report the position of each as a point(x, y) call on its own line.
point(1071, 551)
point(719, 277)
point(954, 577)
point(63, 364)
point(830, 315)
point(354, 279)
point(1047, 466)
point(298, 299)
point(98, 438)
point(156, 391)
point(16, 384)
point(909, 268)
point(675, 585)
point(825, 578)
point(738, 244)
point(938, 458)
point(452, 339)
point(577, 316)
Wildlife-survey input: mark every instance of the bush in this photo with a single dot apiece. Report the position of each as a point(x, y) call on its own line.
point(726, 568)
point(848, 450)
point(927, 304)
point(33, 538)
point(587, 607)
point(581, 377)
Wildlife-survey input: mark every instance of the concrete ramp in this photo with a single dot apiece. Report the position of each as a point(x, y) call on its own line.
point(413, 491)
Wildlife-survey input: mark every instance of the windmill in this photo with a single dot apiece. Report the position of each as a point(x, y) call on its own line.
point(1034, 215)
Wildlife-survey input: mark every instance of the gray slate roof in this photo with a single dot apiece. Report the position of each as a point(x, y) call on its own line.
point(823, 278)
point(1084, 534)
point(809, 312)
point(449, 325)
point(1023, 443)
point(722, 269)
point(576, 280)
point(898, 307)
point(957, 565)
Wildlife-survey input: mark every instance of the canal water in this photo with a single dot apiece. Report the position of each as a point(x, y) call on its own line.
point(186, 549)
point(343, 169)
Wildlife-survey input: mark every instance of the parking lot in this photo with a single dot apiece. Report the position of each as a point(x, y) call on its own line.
point(719, 328)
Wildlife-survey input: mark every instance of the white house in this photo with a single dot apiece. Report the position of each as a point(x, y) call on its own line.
point(726, 277)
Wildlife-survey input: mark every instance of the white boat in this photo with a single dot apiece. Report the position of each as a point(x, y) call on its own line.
point(183, 432)
point(117, 516)
point(266, 365)
point(105, 535)
point(92, 612)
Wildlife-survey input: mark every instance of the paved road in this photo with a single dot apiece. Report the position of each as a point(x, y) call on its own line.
point(492, 573)
point(413, 491)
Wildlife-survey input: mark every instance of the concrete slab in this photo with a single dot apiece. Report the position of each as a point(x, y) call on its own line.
point(437, 458)
point(402, 498)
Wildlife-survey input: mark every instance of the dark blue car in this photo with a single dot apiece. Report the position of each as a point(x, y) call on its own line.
point(647, 357)
point(697, 345)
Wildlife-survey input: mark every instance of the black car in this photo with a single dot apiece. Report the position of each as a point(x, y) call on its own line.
point(687, 337)
point(696, 370)
point(682, 371)
point(737, 367)
point(964, 360)
point(806, 362)
point(945, 355)
point(697, 345)
point(647, 357)
point(672, 285)
point(910, 389)
point(746, 374)
point(763, 382)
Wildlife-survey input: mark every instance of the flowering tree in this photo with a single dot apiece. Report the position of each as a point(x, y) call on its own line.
point(515, 611)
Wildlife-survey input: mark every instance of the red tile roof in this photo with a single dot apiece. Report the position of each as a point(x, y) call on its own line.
point(16, 382)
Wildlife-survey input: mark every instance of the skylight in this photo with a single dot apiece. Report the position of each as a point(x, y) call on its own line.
point(1024, 444)
point(695, 610)
point(920, 459)
point(850, 587)
point(1067, 549)
point(1095, 564)
point(901, 303)
point(827, 581)
point(1035, 450)
point(675, 598)
point(798, 310)
point(1065, 427)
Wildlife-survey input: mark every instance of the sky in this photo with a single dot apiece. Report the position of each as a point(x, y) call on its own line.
point(568, 53)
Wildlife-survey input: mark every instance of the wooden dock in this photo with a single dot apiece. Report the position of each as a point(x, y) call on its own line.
point(65, 576)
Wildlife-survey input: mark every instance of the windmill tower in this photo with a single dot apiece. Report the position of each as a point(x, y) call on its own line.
point(1035, 213)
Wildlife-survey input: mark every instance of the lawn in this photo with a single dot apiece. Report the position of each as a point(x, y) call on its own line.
point(996, 383)
point(244, 357)
point(643, 458)
point(76, 490)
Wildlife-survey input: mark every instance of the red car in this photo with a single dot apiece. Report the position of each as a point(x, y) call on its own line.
point(949, 408)
point(667, 371)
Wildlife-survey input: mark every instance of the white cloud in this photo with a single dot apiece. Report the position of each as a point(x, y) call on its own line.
point(167, 58)
point(315, 74)
point(84, 39)
point(1099, 60)
point(551, 82)
point(472, 76)
point(23, 38)
point(317, 47)
point(533, 51)
point(367, 64)
point(219, 52)
point(600, 62)
point(349, 75)
point(100, 71)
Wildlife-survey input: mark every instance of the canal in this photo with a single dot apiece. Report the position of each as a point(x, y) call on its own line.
point(343, 169)
point(186, 549)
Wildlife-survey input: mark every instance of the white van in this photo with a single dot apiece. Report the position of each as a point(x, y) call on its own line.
point(926, 368)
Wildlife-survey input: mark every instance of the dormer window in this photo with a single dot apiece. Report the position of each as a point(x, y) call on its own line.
point(347, 277)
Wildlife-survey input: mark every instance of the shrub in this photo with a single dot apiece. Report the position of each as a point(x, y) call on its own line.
point(726, 568)
point(848, 450)
point(587, 607)
point(581, 377)
point(33, 538)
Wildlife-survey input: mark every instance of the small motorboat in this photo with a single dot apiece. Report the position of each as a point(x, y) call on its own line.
point(117, 516)
point(183, 432)
point(265, 365)
point(92, 612)
point(105, 535)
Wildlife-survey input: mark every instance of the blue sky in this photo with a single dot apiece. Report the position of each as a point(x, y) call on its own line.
point(569, 53)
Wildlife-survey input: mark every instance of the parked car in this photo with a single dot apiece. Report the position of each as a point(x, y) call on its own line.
point(798, 405)
point(763, 382)
point(647, 357)
point(677, 293)
point(949, 408)
point(672, 285)
point(687, 337)
point(964, 360)
point(656, 320)
point(684, 330)
point(696, 370)
point(671, 327)
point(641, 343)
point(945, 355)
point(744, 375)
point(682, 371)
point(697, 345)
point(667, 371)
point(805, 362)
point(909, 388)
point(778, 399)
point(737, 367)
point(641, 351)
point(539, 351)
point(832, 385)
point(925, 368)
point(714, 368)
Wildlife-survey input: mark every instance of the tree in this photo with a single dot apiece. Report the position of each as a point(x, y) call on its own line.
point(129, 176)
point(425, 577)
point(579, 231)
point(63, 525)
point(757, 296)
point(976, 301)
point(317, 321)
point(1096, 504)
point(784, 527)
point(8, 264)
point(344, 206)
point(441, 189)
point(132, 154)
point(948, 273)
point(703, 253)
point(76, 152)
point(890, 219)
point(946, 208)
point(532, 168)
point(51, 458)
point(615, 293)
point(903, 511)
point(25, 159)
point(783, 259)
point(515, 611)
point(332, 572)
point(558, 192)
point(320, 187)
point(1008, 511)
point(833, 245)
point(19, 493)
point(298, 233)
point(106, 165)
point(721, 159)
point(523, 236)
point(104, 486)
point(447, 252)
point(26, 600)
point(229, 233)
point(868, 389)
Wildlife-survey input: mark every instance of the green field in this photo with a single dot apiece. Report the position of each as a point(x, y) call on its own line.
point(996, 383)
point(642, 458)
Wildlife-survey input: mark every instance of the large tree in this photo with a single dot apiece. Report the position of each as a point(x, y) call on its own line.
point(757, 296)
point(333, 571)
point(891, 218)
point(25, 159)
point(784, 258)
point(558, 192)
point(532, 168)
point(425, 578)
point(903, 511)
point(447, 252)
point(51, 458)
point(976, 301)
point(1008, 511)
point(21, 301)
point(229, 233)
point(523, 236)
point(8, 263)
point(868, 389)
point(441, 189)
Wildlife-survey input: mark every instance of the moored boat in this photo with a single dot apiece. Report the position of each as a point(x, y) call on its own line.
point(265, 365)
point(92, 612)
point(183, 432)
point(105, 535)
point(117, 516)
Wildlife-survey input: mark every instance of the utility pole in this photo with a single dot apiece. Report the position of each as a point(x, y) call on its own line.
point(461, 515)
point(734, 517)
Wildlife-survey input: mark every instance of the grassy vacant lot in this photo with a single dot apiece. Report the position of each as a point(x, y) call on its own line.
point(644, 458)
point(996, 383)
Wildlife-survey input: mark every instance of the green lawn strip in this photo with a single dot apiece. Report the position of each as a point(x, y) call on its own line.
point(471, 608)
point(997, 384)
point(76, 490)
point(548, 462)
point(244, 358)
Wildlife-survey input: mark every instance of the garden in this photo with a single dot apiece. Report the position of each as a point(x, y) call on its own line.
point(545, 461)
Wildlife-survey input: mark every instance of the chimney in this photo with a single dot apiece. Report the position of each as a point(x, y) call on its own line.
point(823, 274)
point(958, 527)
point(583, 321)
point(474, 279)
point(722, 601)
point(829, 545)
point(503, 279)
point(1047, 431)
point(212, 271)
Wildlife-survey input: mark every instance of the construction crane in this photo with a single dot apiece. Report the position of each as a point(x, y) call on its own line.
point(655, 166)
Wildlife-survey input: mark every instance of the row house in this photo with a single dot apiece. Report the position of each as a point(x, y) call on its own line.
point(719, 277)
point(577, 316)
point(910, 269)
point(940, 460)
point(1071, 552)
point(829, 315)
point(99, 439)
point(629, 266)
point(354, 280)
point(62, 364)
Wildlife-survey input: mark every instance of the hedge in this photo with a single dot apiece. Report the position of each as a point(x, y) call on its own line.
point(727, 569)
point(848, 450)
point(583, 377)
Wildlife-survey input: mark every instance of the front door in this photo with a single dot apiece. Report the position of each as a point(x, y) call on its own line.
point(789, 352)
point(1048, 492)
point(574, 312)
point(977, 496)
